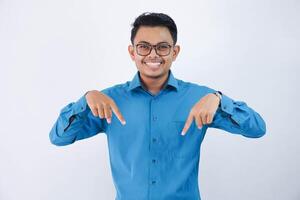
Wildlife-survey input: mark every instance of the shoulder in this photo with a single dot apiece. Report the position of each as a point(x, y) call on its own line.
point(195, 87)
point(116, 89)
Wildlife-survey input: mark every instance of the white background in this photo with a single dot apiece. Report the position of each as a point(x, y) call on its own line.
point(52, 52)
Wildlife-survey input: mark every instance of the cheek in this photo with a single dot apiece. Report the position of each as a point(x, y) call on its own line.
point(168, 59)
point(137, 59)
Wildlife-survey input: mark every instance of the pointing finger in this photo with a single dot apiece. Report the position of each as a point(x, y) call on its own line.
point(187, 124)
point(118, 113)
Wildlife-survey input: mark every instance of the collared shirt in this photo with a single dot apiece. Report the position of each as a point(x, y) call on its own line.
point(149, 157)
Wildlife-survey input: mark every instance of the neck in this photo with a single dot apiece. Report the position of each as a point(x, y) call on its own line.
point(154, 85)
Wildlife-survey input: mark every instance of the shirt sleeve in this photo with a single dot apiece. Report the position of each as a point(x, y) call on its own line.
point(237, 117)
point(76, 122)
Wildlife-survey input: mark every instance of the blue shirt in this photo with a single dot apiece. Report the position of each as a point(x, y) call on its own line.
point(149, 157)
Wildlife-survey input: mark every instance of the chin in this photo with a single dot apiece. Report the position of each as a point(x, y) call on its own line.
point(154, 75)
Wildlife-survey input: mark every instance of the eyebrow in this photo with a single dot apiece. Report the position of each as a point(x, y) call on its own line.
point(150, 43)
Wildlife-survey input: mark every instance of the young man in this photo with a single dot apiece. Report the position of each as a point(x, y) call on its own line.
point(155, 123)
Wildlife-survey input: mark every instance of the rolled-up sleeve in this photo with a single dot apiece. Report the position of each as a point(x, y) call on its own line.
point(75, 122)
point(237, 117)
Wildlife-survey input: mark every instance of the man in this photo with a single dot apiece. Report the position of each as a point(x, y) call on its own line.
point(155, 123)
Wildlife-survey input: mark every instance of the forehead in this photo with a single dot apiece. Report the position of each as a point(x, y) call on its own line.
point(153, 35)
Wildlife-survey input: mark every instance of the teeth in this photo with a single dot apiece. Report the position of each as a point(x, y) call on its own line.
point(152, 64)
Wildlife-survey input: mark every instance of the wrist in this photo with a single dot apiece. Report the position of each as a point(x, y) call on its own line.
point(219, 95)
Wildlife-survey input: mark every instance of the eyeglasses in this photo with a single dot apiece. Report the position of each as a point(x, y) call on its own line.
point(161, 49)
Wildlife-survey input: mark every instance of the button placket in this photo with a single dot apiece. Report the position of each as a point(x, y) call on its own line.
point(153, 143)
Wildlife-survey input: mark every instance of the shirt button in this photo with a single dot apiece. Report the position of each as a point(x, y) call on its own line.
point(153, 161)
point(154, 140)
point(154, 118)
point(153, 182)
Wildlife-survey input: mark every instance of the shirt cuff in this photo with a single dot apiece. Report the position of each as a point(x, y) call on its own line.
point(69, 112)
point(80, 105)
point(226, 104)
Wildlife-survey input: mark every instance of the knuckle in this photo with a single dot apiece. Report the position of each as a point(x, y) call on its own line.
point(116, 110)
point(111, 101)
point(101, 111)
point(93, 106)
point(99, 105)
point(192, 111)
point(204, 112)
point(105, 104)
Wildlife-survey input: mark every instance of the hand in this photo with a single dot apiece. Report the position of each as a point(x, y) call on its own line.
point(102, 105)
point(203, 112)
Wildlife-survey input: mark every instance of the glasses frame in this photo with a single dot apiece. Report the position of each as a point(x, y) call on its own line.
point(155, 48)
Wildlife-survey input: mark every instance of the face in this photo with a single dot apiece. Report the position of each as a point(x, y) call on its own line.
point(153, 66)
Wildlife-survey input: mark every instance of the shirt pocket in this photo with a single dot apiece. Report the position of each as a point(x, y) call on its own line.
point(187, 146)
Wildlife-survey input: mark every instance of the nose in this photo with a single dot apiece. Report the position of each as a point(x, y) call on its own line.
point(153, 53)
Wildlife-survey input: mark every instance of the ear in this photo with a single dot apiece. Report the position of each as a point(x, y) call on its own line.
point(176, 51)
point(131, 52)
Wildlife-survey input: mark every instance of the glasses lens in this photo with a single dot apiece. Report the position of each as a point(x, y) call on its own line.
point(143, 49)
point(163, 49)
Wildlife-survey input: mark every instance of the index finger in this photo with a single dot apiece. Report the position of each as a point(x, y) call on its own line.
point(118, 113)
point(187, 124)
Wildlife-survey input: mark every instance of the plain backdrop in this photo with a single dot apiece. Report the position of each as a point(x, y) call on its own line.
point(52, 52)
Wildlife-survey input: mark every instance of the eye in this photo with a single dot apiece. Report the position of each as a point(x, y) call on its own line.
point(143, 46)
point(163, 47)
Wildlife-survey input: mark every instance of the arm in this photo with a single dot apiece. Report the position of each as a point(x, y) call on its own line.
point(76, 122)
point(237, 117)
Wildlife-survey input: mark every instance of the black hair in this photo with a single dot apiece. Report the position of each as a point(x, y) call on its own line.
point(154, 19)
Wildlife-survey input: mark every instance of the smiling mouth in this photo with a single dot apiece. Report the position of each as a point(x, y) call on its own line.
point(153, 65)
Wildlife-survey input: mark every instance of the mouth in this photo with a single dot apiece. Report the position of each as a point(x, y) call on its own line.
point(153, 65)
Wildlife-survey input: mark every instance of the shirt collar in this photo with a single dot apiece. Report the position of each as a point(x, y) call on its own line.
point(136, 81)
